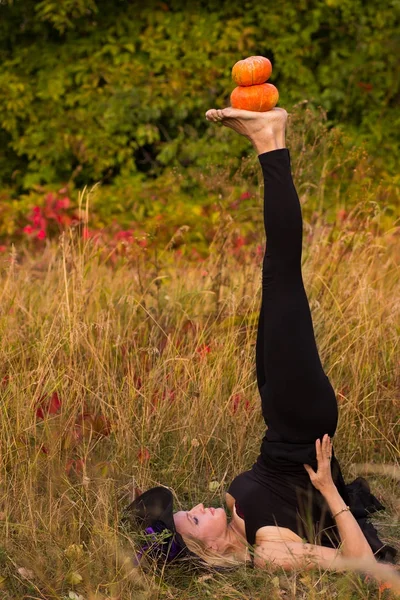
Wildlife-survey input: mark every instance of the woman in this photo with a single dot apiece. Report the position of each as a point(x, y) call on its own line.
point(292, 507)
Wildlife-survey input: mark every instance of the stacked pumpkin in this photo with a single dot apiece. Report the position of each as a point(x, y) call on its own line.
point(252, 92)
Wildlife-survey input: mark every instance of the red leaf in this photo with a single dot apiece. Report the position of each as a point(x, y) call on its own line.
point(125, 235)
point(341, 214)
point(143, 455)
point(88, 424)
point(237, 401)
point(365, 86)
point(203, 350)
point(64, 220)
point(62, 204)
point(49, 198)
point(168, 395)
point(171, 395)
point(88, 234)
point(239, 242)
point(55, 404)
point(75, 465)
point(48, 406)
point(101, 425)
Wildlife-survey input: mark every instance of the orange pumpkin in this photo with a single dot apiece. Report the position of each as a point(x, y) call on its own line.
point(258, 98)
point(252, 71)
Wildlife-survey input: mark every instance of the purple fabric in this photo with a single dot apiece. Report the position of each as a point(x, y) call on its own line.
point(167, 547)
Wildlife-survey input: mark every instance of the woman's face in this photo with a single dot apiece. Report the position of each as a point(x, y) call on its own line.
point(205, 524)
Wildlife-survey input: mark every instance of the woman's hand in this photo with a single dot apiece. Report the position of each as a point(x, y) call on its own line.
point(322, 479)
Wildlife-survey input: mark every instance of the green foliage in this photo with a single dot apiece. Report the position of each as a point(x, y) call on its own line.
point(62, 15)
point(92, 90)
point(182, 207)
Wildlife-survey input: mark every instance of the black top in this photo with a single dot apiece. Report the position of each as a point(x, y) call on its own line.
point(265, 495)
point(277, 491)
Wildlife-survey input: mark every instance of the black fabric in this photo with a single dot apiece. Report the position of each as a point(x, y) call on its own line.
point(363, 503)
point(154, 505)
point(298, 402)
point(152, 512)
point(267, 495)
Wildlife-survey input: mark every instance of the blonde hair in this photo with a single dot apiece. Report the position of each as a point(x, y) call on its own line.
point(210, 556)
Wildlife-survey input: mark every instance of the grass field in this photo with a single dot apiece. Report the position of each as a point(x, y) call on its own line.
point(142, 372)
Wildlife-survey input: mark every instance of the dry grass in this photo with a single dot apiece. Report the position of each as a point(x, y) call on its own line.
point(165, 350)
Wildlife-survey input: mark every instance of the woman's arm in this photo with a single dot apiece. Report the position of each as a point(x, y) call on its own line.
point(354, 543)
point(294, 555)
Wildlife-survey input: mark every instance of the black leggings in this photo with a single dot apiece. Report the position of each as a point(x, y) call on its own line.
point(298, 401)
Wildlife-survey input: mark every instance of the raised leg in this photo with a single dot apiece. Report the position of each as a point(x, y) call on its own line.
point(297, 398)
point(298, 401)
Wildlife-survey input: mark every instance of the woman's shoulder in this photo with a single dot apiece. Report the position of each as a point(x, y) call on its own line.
point(230, 501)
point(274, 533)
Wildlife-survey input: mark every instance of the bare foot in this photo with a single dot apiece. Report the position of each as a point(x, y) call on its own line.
point(265, 130)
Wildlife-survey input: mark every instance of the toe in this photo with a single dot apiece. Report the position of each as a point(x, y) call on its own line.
point(228, 112)
point(211, 114)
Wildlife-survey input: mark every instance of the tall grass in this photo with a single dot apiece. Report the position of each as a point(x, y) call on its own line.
point(163, 349)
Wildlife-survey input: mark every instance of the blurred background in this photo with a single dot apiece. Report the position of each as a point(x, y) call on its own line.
point(115, 94)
